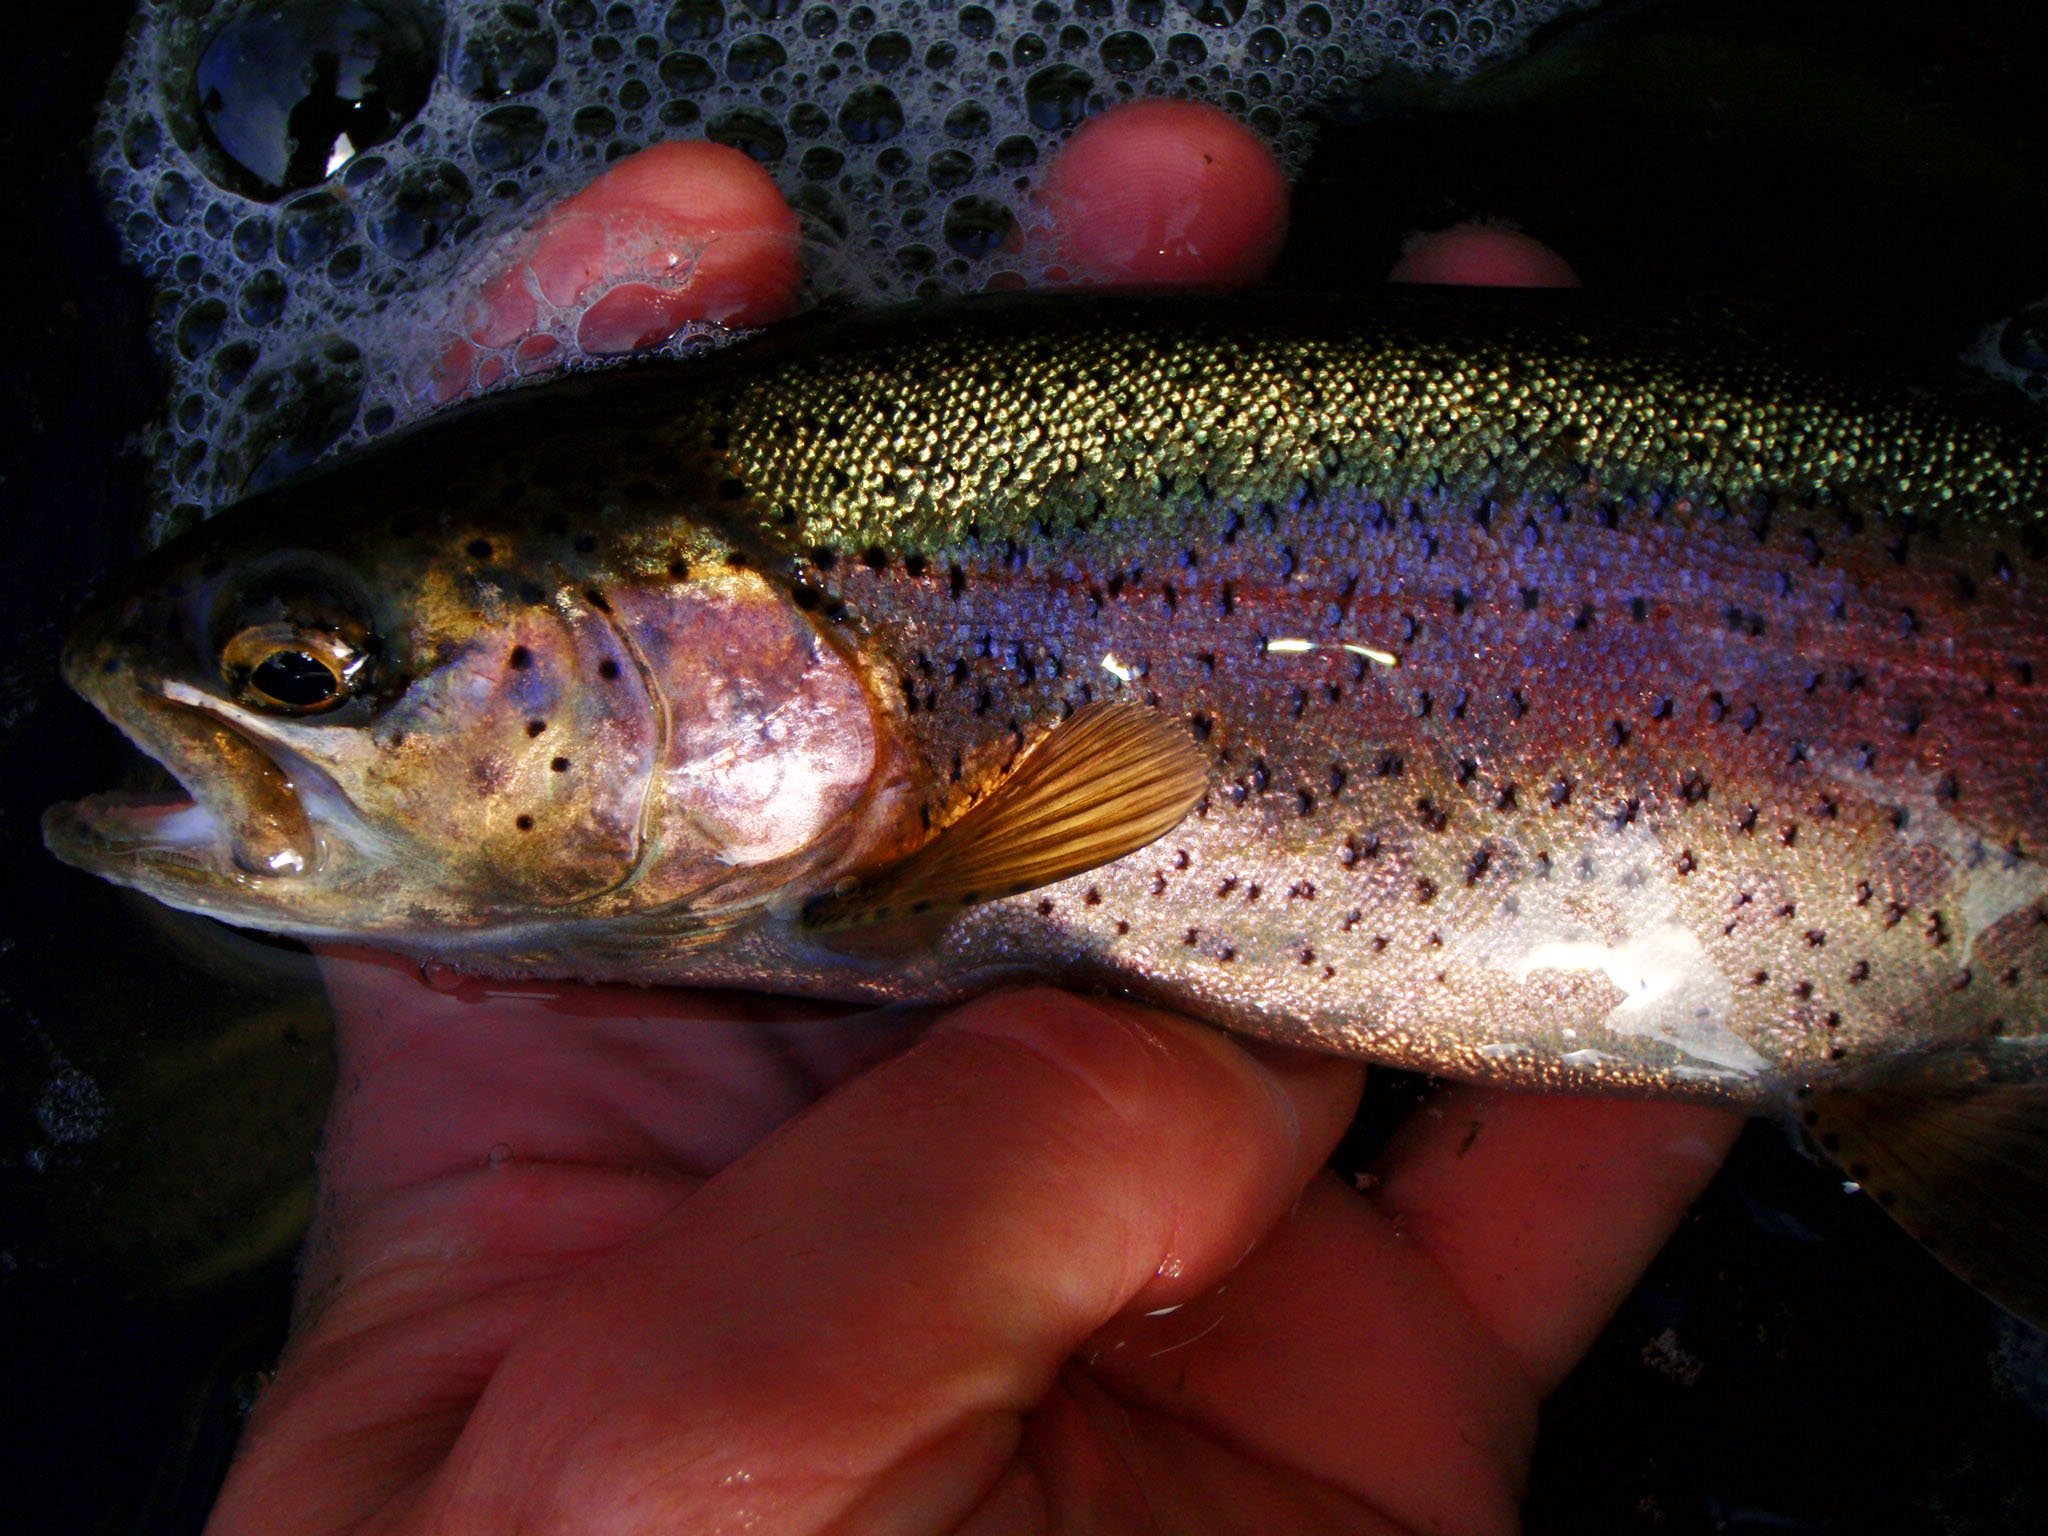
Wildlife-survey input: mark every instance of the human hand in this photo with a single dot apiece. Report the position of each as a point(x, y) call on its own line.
point(591, 1259)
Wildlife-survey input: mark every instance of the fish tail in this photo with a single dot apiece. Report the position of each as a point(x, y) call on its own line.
point(1963, 1167)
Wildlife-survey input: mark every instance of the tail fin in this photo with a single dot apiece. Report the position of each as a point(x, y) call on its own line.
point(1964, 1168)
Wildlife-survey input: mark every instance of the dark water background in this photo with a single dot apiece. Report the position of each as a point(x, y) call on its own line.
point(1791, 1363)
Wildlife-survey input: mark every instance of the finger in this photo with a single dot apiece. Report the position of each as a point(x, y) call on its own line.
point(860, 1311)
point(1163, 194)
point(681, 231)
point(1542, 1210)
point(440, 1080)
point(1482, 255)
point(1336, 1350)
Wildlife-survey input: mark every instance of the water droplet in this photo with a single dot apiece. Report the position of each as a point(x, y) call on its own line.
point(1126, 53)
point(686, 72)
point(1188, 49)
point(506, 138)
point(289, 415)
point(510, 51)
point(750, 132)
point(173, 198)
point(231, 365)
point(808, 120)
point(252, 240)
point(692, 21)
point(1028, 50)
point(822, 164)
point(820, 21)
point(594, 122)
point(1017, 152)
point(1266, 46)
point(143, 141)
point(1214, 13)
point(289, 91)
point(200, 326)
point(871, 114)
point(976, 226)
point(1314, 21)
point(1057, 96)
point(311, 228)
point(753, 57)
point(1437, 29)
point(263, 299)
point(423, 203)
point(949, 168)
point(969, 120)
point(887, 51)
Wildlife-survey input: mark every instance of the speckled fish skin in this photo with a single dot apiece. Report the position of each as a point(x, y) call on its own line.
point(1590, 704)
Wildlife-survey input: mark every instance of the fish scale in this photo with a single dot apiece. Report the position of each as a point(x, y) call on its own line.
point(1481, 686)
point(1650, 626)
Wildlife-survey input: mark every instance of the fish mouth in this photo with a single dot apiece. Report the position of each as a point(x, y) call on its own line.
point(241, 819)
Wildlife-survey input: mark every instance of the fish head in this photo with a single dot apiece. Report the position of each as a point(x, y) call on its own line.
point(460, 738)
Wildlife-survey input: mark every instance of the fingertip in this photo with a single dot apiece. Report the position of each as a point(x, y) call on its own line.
point(1544, 1209)
point(1482, 255)
point(683, 231)
point(1164, 194)
point(1196, 1097)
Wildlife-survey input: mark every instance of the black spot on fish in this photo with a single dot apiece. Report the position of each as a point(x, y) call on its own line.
point(535, 727)
point(596, 599)
point(560, 765)
point(524, 823)
point(479, 549)
point(608, 669)
point(520, 659)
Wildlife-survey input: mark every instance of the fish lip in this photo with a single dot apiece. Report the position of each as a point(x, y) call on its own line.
point(250, 825)
point(112, 833)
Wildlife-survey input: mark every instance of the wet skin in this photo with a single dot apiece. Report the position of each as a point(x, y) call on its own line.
point(602, 1259)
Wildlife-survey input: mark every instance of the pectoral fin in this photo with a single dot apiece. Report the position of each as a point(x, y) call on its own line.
point(1104, 783)
point(1964, 1169)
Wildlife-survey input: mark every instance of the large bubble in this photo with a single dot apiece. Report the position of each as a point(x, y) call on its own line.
point(304, 180)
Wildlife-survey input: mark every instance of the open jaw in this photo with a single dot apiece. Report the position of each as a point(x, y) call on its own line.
point(241, 823)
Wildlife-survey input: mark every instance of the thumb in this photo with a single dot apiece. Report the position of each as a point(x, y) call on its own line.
point(855, 1316)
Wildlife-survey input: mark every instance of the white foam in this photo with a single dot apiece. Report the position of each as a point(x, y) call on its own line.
point(240, 324)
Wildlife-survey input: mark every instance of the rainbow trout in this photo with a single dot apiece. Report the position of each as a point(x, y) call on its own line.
point(1472, 686)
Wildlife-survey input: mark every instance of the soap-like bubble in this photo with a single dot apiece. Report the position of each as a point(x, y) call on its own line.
point(300, 178)
point(506, 52)
point(289, 89)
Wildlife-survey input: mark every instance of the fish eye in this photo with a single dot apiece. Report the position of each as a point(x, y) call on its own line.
point(284, 669)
